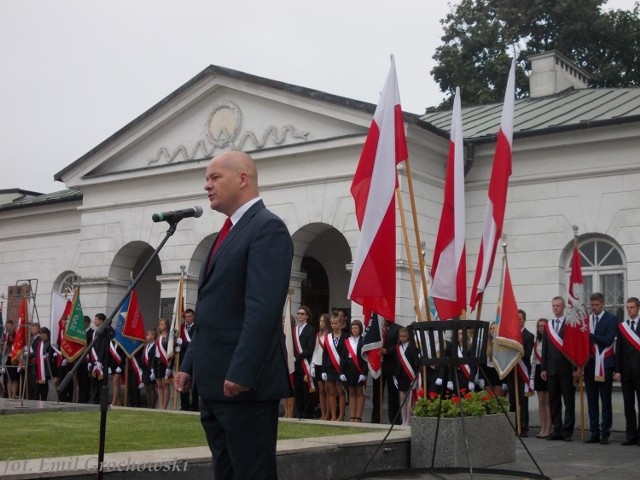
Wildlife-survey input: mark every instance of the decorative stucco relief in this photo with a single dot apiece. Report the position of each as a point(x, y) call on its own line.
point(224, 131)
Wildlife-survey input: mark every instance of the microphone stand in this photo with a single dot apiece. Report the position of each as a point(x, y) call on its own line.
point(104, 403)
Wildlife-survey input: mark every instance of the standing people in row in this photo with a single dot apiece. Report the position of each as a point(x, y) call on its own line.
point(407, 369)
point(355, 370)
point(523, 370)
point(164, 364)
point(390, 332)
point(598, 371)
point(188, 399)
point(100, 359)
point(559, 374)
point(304, 342)
point(332, 360)
point(627, 368)
point(537, 383)
point(316, 362)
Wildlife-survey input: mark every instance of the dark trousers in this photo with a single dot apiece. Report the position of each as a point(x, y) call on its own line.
point(631, 392)
point(393, 399)
point(599, 392)
point(561, 390)
point(84, 383)
point(304, 399)
point(242, 438)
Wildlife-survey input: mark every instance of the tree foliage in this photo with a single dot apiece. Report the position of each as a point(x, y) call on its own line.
point(481, 36)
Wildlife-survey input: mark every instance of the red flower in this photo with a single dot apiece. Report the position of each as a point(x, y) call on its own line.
point(462, 390)
point(421, 392)
point(485, 398)
point(468, 396)
point(455, 399)
point(433, 395)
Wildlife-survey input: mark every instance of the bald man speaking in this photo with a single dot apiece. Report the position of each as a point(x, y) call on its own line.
point(237, 357)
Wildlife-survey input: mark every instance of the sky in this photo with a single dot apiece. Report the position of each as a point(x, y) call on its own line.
point(73, 72)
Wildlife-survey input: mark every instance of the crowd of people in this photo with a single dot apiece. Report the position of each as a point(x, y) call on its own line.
point(142, 379)
point(331, 373)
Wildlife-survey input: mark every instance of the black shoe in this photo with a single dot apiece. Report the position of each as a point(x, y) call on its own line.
point(554, 437)
point(604, 440)
point(593, 438)
point(524, 434)
point(629, 441)
point(567, 439)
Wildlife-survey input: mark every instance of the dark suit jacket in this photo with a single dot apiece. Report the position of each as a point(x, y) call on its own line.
point(627, 357)
point(390, 344)
point(605, 334)
point(527, 343)
point(307, 344)
point(238, 321)
point(553, 360)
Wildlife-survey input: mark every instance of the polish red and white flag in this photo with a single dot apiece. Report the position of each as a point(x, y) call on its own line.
point(373, 280)
point(449, 271)
point(497, 201)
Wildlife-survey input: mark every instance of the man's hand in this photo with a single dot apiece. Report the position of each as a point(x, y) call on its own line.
point(231, 389)
point(543, 375)
point(182, 382)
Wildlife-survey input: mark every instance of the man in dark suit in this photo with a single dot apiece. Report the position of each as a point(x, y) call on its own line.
point(304, 343)
point(559, 374)
point(598, 371)
point(627, 368)
point(523, 400)
point(189, 398)
point(237, 356)
point(390, 332)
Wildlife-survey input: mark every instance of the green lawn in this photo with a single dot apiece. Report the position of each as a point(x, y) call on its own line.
point(60, 434)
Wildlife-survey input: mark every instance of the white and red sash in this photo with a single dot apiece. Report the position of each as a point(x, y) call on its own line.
point(463, 366)
point(137, 371)
point(332, 351)
point(161, 352)
point(630, 335)
point(40, 363)
point(524, 374)
point(555, 337)
point(113, 350)
point(405, 364)
point(354, 356)
point(304, 363)
point(185, 334)
point(146, 357)
point(535, 352)
point(97, 370)
point(599, 355)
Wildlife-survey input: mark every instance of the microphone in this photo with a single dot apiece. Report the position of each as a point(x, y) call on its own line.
point(175, 216)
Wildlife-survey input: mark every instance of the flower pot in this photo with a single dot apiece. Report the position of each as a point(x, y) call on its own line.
point(491, 441)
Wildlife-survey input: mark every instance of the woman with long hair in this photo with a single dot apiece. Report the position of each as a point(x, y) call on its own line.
point(538, 384)
point(316, 362)
point(163, 364)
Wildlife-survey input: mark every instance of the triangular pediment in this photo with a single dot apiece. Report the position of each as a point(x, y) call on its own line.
point(216, 112)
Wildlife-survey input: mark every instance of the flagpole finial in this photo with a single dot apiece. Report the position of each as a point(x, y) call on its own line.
point(183, 269)
point(575, 232)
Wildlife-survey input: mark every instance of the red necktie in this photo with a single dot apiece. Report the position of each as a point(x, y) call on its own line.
point(221, 236)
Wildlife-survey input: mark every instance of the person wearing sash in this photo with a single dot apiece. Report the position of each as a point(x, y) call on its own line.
point(116, 370)
point(523, 370)
point(100, 359)
point(148, 365)
point(598, 371)
point(316, 366)
point(407, 367)
point(163, 364)
point(537, 383)
point(559, 374)
point(36, 375)
point(304, 342)
point(390, 332)
point(354, 371)
point(332, 359)
point(627, 368)
point(465, 372)
point(188, 399)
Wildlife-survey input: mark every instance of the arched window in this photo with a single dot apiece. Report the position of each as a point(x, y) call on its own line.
point(604, 270)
